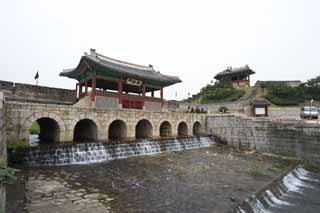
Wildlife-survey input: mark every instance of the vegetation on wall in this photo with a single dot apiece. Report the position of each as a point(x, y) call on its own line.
point(218, 93)
point(7, 174)
point(283, 95)
point(286, 96)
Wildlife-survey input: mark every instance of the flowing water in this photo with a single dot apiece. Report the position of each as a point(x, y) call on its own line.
point(84, 153)
point(182, 175)
point(297, 191)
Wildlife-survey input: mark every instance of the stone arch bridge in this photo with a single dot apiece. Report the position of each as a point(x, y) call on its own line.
point(63, 123)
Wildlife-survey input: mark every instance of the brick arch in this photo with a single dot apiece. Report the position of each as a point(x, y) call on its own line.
point(152, 121)
point(196, 129)
point(165, 128)
point(37, 115)
point(144, 128)
point(182, 131)
point(74, 122)
point(117, 129)
point(43, 115)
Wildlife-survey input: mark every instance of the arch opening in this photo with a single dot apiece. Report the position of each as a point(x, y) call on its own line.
point(165, 129)
point(117, 130)
point(182, 129)
point(44, 130)
point(85, 129)
point(143, 129)
point(196, 129)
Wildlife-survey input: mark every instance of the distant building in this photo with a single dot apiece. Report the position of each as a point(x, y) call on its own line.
point(238, 77)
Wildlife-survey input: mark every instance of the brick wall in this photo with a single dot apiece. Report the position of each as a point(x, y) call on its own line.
point(295, 139)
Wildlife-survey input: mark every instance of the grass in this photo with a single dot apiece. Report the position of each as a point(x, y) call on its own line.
point(258, 171)
point(35, 128)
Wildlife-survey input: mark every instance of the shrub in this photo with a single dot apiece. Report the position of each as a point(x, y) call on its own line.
point(17, 145)
point(223, 109)
point(286, 96)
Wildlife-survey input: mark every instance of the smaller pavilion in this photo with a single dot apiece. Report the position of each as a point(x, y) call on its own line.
point(111, 83)
point(238, 77)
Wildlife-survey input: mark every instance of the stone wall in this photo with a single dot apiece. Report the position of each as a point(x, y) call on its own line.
point(3, 146)
point(296, 139)
point(152, 106)
point(106, 103)
point(32, 92)
point(20, 116)
point(284, 112)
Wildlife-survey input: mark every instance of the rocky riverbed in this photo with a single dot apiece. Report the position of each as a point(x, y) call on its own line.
point(210, 179)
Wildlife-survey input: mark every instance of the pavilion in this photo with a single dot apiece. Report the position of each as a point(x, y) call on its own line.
point(238, 77)
point(113, 83)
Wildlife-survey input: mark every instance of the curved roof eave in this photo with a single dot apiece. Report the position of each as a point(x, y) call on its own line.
point(130, 70)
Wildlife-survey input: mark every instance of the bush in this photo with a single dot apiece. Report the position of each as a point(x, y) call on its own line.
point(312, 92)
point(17, 145)
point(223, 109)
point(286, 96)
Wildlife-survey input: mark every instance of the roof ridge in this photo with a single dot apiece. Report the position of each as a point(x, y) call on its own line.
point(99, 56)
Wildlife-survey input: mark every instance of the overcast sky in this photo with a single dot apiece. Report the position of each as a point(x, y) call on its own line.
point(194, 40)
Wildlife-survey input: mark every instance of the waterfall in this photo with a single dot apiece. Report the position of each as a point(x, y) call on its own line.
point(84, 153)
point(294, 181)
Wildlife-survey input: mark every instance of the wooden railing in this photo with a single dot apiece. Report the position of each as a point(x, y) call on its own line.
point(128, 101)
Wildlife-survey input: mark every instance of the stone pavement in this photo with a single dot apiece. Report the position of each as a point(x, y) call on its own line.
point(51, 196)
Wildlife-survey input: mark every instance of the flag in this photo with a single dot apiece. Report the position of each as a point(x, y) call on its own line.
point(37, 75)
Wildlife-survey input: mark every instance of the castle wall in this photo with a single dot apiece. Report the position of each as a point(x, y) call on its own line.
point(32, 92)
point(295, 139)
point(3, 146)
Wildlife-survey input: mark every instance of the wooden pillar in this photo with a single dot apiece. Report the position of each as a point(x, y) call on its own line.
point(249, 80)
point(80, 90)
point(77, 85)
point(143, 90)
point(86, 87)
point(120, 88)
point(143, 93)
point(161, 96)
point(93, 92)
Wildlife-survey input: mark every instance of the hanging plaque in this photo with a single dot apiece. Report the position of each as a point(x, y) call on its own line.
point(134, 82)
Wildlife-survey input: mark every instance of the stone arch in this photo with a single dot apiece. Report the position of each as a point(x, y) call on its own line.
point(117, 130)
point(51, 126)
point(144, 129)
point(197, 128)
point(165, 129)
point(85, 129)
point(182, 129)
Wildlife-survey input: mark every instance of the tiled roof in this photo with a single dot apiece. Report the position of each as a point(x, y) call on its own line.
point(120, 67)
point(235, 71)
